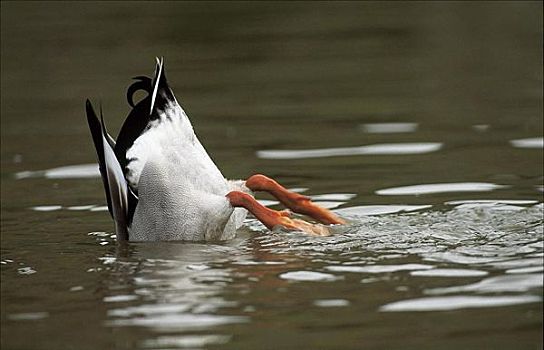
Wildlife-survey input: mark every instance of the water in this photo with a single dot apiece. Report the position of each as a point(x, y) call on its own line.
point(420, 123)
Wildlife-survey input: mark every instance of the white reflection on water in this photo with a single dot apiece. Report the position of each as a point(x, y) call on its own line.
point(481, 127)
point(27, 270)
point(185, 341)
point(449, 273)
point(440, 188)
point(28, 316)
point(533, 142)
point(507, 283)
point(65, 172)
point(100, 208)
point(457, 302)
point(89, 207)
point(377, 149)
point(178, 322)
point(119, 298)
point(379, 209)
point(378, 268)
point(308, 276)
point(331, 302)
point(526, 269)
point(492, 201)
point(81, 207)
point(388, 128)
point(46, 207)
point(333, 197)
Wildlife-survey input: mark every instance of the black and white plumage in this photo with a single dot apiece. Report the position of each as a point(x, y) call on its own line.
point(159, 181)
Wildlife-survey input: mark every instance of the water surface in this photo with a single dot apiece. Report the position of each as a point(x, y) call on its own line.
point(420, 123)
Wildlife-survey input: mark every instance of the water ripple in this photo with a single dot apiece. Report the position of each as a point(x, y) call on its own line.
point(331, 302)
point(28, 316)
point(449, 273)
point(379, 268)
point(379, 209)
point(532, 142)
point(439, 188)
point(308, 276)
point(79, 171)
point(457, 302)
point(388, 128)
point(47, 208)
point(377, 149)
point(465, 236)
point(507, 283)
point(196, 341)
point(178, 322)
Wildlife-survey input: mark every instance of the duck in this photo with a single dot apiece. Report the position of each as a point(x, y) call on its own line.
point(161, 185)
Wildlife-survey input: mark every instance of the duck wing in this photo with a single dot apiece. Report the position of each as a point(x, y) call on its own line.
point(115, 185)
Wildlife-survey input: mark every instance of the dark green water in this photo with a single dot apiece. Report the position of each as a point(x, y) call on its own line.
point(421, 123)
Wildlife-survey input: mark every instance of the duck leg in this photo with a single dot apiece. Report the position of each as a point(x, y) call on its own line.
point(294, 201)
point(272, 218)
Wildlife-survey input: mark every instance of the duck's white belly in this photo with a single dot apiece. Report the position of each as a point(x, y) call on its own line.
point(173, 206)
point(181, 192)
point(159, 217)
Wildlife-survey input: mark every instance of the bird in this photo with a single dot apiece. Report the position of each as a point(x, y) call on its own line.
point(161, 184)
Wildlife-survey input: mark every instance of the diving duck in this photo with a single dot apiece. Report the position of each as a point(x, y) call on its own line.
point(161, 184)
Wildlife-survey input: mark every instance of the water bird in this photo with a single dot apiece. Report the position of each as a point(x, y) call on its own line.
point(161, 184)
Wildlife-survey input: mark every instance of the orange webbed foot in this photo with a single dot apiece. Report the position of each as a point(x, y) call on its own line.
point(272, 218)
point(296, 202)
point(306, 227)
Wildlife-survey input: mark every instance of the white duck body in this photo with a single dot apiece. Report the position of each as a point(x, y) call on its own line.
point(181, 192)
point(159, 166)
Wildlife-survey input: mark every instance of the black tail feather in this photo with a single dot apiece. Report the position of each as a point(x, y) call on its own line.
point(142, 83)
point(159, 95)
point(96, 132)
